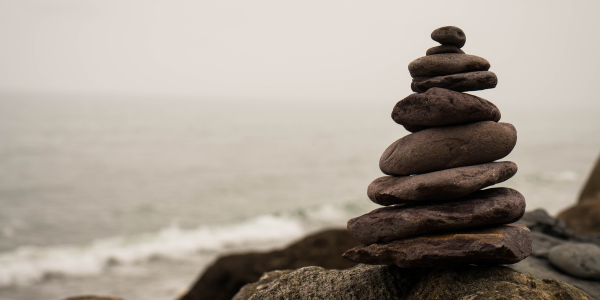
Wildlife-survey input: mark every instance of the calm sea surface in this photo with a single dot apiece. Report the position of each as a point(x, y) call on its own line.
point(133, 197)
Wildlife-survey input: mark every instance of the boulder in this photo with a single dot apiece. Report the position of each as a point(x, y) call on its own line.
point(367, 282)
point(442, 185)
point(583, 217)
point(591, 189)
point(451, 35)
point(446, 64)
point(501, 244)
point(444, 49)
point(229, 273)
point(486, 207)
point(462, 82)
point(577, 259)
point(441, 107)
point(441, 148)
point(539, 220)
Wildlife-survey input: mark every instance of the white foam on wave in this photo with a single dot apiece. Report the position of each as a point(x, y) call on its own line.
point(27, 265)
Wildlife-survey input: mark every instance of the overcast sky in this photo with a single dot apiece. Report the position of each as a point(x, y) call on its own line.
point(544, 52)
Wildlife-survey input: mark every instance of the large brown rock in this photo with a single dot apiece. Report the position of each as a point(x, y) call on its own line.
point(446, 64)
point(583, 217)
point(462, 82)
point(448, 147)
point(449, 35)
point(486, 207)
point(501, 244)
point(442, 185)
point(365, 282)
point(440, 107)
point(443, 49)
point(229, 273)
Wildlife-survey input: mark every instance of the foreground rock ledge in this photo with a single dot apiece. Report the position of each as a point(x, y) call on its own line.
point(367, 282)
point(503, 244)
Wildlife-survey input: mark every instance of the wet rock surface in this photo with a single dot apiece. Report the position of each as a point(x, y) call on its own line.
point(451, 35)
point(448, 147)
point(503, 244)
point(367, 282)
point(462, 82)
point(446, 64)
point(442, 185)
point(441, 107)
point(482, 208)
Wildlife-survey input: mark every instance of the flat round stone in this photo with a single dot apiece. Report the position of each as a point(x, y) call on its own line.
point(485, 207)
point(442, 185)
point(441, 107)
point(441, 148)
point(443, 49)
point(446, 64)
point(577, 259)
point(449, 35)
point(502, 244)
point(462, 82)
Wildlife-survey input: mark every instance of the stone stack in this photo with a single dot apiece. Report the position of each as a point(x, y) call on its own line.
point(436, 211)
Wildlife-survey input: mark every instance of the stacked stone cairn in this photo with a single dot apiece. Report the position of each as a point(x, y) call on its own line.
point(436, 212)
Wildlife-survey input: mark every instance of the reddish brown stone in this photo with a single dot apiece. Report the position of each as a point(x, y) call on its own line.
point(462, 82)
point(502, 244)
point(448, 147)
point(439, 186)
point(440, 107)
point(443, 49)
point(449, 35)
point(446, 64)
point(486, 207)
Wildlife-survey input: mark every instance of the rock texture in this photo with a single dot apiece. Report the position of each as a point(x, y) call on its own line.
point(486, 207)
point(441, 107)
point(461, 82)
point(451, 35)
point(503, 244)
point(584, 217)
point(444, 49)
point(580, 260)
point(89, 297)
point(229, 273)
point(448, 147)
point(365, 282)
point(442, 185)
point(446, 64)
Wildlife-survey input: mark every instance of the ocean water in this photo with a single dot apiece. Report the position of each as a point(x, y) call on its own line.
point(134, 197)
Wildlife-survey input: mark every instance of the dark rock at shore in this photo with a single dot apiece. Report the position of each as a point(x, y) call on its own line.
point(229, 273)
point(486, 207)
point(367, 282)
point(577, 259)
point(449, 35)
point(440, 107)
point(446, 64)
point(444, 49)
point(441, 148)
point(539, 220)
point(462, 82)
point(591, 189)
point(583, 217)
point(442, 185)
point(502, 244)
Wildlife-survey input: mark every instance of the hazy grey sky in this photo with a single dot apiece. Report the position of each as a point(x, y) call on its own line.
point(542, 51)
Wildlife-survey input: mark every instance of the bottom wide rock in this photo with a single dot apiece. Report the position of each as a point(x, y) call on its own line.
point(367, 282)
point(504, 244)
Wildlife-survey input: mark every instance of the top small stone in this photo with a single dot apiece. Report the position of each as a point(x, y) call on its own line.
point(449, 35)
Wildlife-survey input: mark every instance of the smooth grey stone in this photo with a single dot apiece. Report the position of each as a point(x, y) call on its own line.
point(580, 260)
point(462, 82)
point(449, 35)
point(441, 107)
point(479, 209)
point(442, 185)
point(446, 64)
point(444, 49)
point(447, 147)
